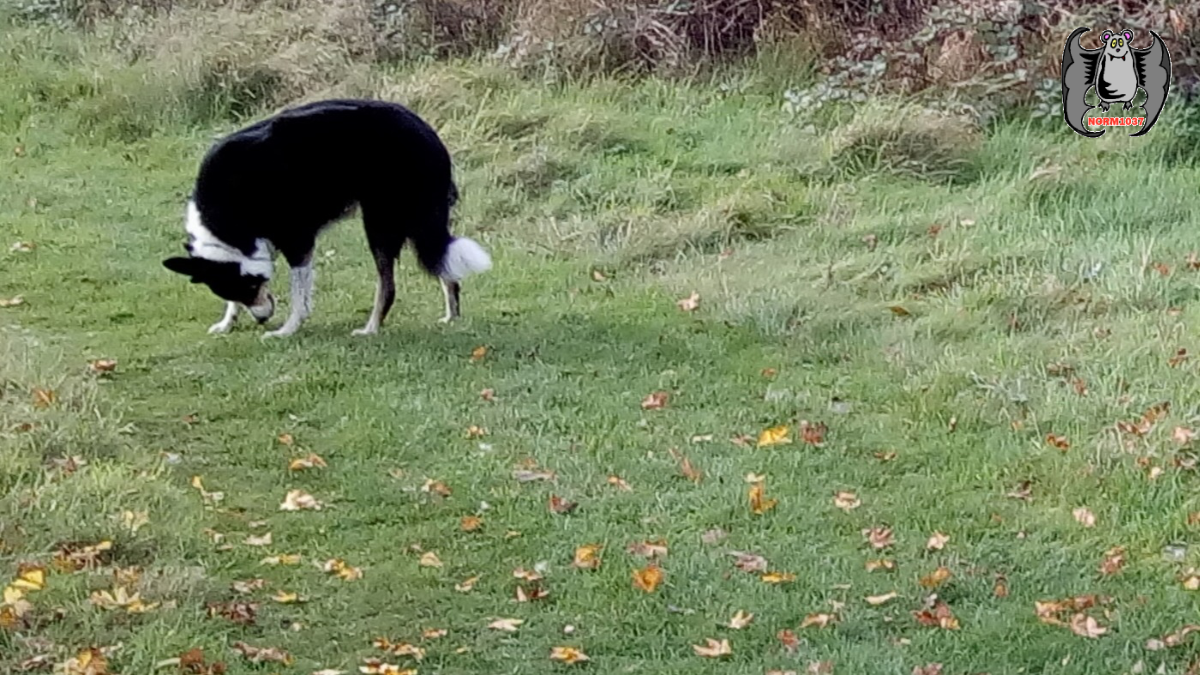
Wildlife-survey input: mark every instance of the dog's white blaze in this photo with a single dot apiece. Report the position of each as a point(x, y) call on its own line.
point(464, 257)
point(206, 245)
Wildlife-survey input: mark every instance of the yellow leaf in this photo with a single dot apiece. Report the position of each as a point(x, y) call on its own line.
point(873, 565)
point(341, 569)
point(43, 398)
point(286, 559)
point(936, 578)
point(567, 655)
point(286, 597)
point(30, 578)
point(759, 504)
point(778, 577)
point(774, 436)
point(135, 520)
point(648, 578)
point(587, 557)
point(470, 523)
point(478, 353)
point(713, 648)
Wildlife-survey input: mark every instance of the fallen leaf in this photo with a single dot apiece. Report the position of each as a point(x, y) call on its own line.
point(713, 536)
point(1114, 560)
point(1172, 639)
point(690, 303)
point(29, 578)
point(101, 366)
point(788, 639)
point(1023, 492)
point(248, 586)
point(655, 400)
point(619, 483)
point(846, 501)
point(287, 597)
point(488, 395)
point(713, 648)
point(648, 549)
point(561, 505)
point(1000, 589)
point(1059, 442)
point(478, 353)
point(936, 578)
point(759, 504)
point(887, 565)
point(648, 578)
point(568, 655)
point(470, 523)
point(685, 466)
point(1084, 516)
point(43, 398)
point(928, 669)
point(875, 600)
point(597, 275)
point(529, 475)
point(818, 620)
point(436, 487)
point(467, 584)
point(740, 620)
point(475, 431)
point(22, 247)
point(749, 562)
point(937, 541)
point(1183, 435)
point(262, 654)
point(1180, 356)
point(311, 461)
point(299, 500)
point(339, 568)
point(1191, 581)
point(773, 436)
point(264, 540)
point(434, 633)
point(1086, 626)
point(399, 648)
point(429, 559)
point(286, 559)
point(899, 310)
point(587, 557)
point(372, 666)
point(879, 537)
point(778, 577)
point(507, 625)
point(243, 613)
point(75, 556)
point(90, 661)
point(885, 456)
point(940, 616)
point(813, 434)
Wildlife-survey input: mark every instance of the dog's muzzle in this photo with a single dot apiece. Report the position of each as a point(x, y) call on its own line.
point(263, 311)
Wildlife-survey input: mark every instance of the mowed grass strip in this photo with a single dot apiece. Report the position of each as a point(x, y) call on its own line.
point(960, 330)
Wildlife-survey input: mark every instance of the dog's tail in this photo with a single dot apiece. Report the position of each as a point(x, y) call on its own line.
point(444, 255)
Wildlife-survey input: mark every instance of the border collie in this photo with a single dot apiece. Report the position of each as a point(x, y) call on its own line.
point(274, 186)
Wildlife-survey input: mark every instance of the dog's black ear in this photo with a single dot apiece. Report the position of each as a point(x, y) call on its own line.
point(186, 266)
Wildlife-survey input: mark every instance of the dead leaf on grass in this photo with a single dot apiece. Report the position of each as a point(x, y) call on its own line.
point(749, 562)
point(818, 620)
point(587, 557)
point(656, 400)
point(937, 541)
point(740, 620)
point(1114, 560)
point(773, 436)
point(312, 461)
point(262, 654)
point(1084, 516)
point(846, 501)
point(567, 655)
point(879, 537)
point(648, 549)
point(506, 625)
point(1086, 626)
point(936, 578)
point(299, 500)
point(713, 649)
point(648, 578)
point(875, 600)
point(690, 303)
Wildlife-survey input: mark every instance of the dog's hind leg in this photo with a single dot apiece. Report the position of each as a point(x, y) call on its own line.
point(227, 321)
point(452, 290)
point(301, 277)
point(385, 242)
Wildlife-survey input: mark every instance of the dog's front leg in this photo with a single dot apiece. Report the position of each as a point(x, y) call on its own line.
point(301, 277)
point(227, 321)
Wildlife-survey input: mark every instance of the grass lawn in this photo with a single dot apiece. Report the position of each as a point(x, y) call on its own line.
point(960, 325)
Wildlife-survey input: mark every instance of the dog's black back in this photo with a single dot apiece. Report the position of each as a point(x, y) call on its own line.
point(285, 178)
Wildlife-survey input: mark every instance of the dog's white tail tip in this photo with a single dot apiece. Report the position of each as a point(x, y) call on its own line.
point(464, 257)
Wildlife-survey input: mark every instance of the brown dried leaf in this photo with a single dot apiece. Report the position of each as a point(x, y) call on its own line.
point(587, 557)
point(561, 505)
point(846, 501)
point(1086, 626)
point(936, 578)
point(749, 562)
point(713, 649)
point(262, 654)
point(648, 578)
point(879, 537)
point(690, 303)
point(648, 549)
point(1114, 560)
point(567, 655)
point(655, 401)
point(818, 620)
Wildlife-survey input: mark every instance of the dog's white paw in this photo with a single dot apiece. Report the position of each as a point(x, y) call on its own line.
point(219, 328)
point(446, 319)
point(281, 333)
point(364, 331)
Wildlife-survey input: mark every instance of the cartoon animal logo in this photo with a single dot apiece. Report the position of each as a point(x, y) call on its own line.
point(1117, 71)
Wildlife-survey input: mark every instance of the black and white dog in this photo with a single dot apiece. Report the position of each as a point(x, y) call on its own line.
point(274, 186)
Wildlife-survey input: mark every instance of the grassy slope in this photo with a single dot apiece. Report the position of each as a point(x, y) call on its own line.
point(557, 182)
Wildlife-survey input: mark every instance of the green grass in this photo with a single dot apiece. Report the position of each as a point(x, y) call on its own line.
point(648, 183)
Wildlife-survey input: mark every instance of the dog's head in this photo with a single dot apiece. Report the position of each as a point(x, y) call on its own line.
point(228, 272)
point(226, 280)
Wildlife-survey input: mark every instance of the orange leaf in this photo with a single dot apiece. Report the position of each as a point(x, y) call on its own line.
point(813, 434)
point(759, 504)
point(873, 565)
point(936, 578)
point(567, 655)
point(619, 483)
point(470, 523)
point(648, 578)
point(940, 616)
point(1056, 441)
point(311, 461)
